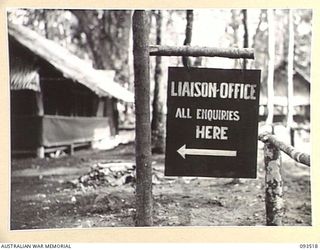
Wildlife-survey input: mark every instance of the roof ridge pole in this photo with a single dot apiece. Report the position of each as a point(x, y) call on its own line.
point(144, 207)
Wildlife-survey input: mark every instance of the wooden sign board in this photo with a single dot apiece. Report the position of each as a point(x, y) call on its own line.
point(212, 122)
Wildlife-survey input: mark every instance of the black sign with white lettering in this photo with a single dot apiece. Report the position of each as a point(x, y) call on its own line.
point(212, 122)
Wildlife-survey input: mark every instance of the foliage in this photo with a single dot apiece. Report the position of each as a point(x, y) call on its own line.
point(58, 25)
point(303, 33)
point(88, 35)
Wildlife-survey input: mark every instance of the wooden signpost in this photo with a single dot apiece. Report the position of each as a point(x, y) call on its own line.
point(141, 27)
point(212, 122)
point(141, 50)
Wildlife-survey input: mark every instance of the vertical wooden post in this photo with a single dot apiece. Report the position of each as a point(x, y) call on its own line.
point(157, 123)
point(40, 112)
point(140, 27)
point(292, 133)
point(273, 188)
point(71, 149)
point(187, 41)
point(40, 152)
point(245, 34)
point(39, 101)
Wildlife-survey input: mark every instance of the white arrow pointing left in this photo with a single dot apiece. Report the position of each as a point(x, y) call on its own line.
point(183, 151)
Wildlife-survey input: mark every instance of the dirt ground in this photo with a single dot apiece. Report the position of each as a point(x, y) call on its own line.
point(43, 196)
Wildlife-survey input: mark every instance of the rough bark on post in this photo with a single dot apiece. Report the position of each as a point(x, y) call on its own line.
point(273, 179)
point(235, 30)
point(140, 28)
point(157, 123)
point(157, 50)
point(245, 34)
point(187, 40)
point(288, 149)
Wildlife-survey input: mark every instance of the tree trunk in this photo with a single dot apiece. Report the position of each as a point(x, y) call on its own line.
point(245, 45)
point(157, 123)
point(108, 34)
point(290, 71)
point(235, 27)
point(245, 34)
point(271, 56)
point(143, 129)
point(187, 41)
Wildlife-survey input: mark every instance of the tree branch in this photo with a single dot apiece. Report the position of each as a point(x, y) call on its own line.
point(201, 51)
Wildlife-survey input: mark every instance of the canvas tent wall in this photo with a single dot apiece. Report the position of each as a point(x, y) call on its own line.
point(57, 99)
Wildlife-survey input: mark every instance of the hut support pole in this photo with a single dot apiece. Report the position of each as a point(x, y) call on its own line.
point(40, 152)
point(40, 112)
point(273, 188)
point(140, 28)
point(39, 101)
point(71, 149)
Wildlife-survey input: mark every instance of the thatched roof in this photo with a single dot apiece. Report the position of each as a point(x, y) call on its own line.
point(24, 75)
point(99, 81)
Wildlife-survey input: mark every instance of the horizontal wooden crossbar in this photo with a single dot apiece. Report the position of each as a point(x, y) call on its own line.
point(159, 50)
point(289, 150)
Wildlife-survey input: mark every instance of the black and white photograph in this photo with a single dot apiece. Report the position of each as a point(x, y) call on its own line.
point(159, 117)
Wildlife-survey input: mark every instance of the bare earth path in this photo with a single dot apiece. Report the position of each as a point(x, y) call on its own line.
point(42, 197)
